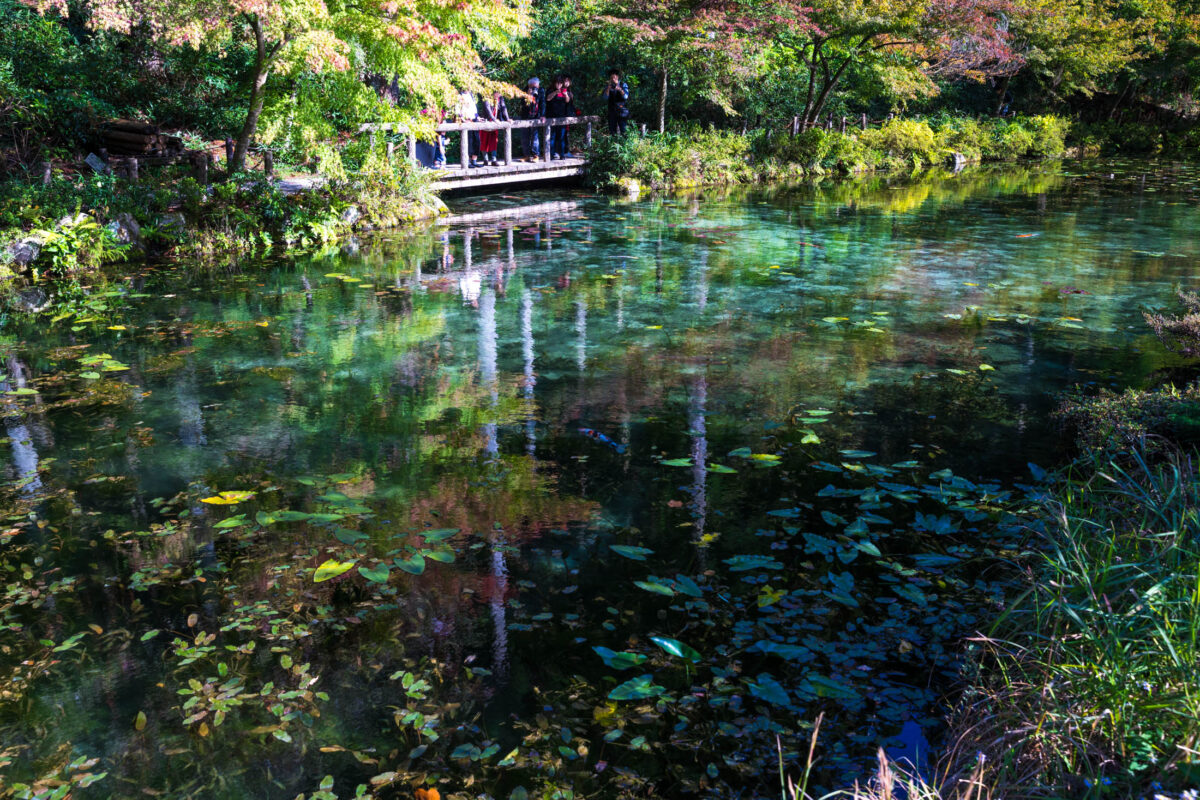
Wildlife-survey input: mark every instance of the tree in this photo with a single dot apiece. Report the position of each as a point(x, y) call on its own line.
point(428, 42)
point(717, 33)
point(945, 39)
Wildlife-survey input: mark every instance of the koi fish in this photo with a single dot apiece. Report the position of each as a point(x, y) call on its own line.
point(600, 437)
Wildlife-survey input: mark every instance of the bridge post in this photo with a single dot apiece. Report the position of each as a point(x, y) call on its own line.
point(508, 146)
point(795, 126)
point(864, 121)
point(545, 133)
point(843, 128)
point(391, 150)
point(587, 135)
point(412, 147)
point(464, 149)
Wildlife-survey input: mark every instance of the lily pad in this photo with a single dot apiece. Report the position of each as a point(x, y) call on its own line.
point(629, 551)
point(638, 688)
point(331, 569)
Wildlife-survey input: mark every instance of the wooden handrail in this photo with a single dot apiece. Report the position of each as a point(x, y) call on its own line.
point(452, 127)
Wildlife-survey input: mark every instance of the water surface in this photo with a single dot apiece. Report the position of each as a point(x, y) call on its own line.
point(785, 432)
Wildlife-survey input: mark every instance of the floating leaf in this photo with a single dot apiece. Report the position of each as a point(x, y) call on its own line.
point(441, 556)
point(331, 569)
point(290, 516)
point(856, 453)
point(744, 563)
point(139, 722)
point(655, 587)
point(677, 648)
point(721, 469)
point(636, 553)
point(347, 536)
point(638, 688)
point(231, 522)
point(414, 564)
point(376, 574)
point(688, 586)
point(619, 661)
point(438, 534)
point(677, 462)
point(227, 498)
point(769, 689)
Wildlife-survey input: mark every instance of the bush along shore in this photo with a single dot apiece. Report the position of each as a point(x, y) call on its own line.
point(56, 237)
point(701, 157)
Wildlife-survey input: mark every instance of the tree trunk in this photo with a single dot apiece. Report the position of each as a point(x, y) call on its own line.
point(662, 101)
point(826, 89)
point(262, 71)
point(1001, 90)
point(812, 83)
point(1120, 98)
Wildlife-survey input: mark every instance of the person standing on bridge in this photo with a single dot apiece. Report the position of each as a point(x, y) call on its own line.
point(494, 110)
point(616, 91)
point(533, 107)
point(559, 104)
point(468, 111)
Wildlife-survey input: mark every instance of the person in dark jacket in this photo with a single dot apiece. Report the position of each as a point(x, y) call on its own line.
point(560, 103)
point(616, 91)
point(493, 110)
point(534, 107)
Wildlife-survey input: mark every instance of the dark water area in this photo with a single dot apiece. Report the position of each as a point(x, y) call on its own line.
point(610, 503)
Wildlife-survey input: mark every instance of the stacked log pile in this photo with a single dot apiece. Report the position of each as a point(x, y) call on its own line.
point(129, 138)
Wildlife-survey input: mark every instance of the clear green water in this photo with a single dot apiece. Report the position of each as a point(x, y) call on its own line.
point(796, 400)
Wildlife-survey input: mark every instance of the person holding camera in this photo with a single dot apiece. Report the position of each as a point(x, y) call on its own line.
point(617, 93)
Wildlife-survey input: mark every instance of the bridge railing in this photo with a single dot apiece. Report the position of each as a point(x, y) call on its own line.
point(541, 127)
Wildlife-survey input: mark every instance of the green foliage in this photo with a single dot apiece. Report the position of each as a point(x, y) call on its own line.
point(1095, 683)
point(55, 86)
point(692, 157)
point(698, 156)
point(75, 244)
point(904, 143)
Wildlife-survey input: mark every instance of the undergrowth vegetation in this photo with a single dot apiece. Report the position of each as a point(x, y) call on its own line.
point(706, 157)
point(50, 236)
point(1088, 687)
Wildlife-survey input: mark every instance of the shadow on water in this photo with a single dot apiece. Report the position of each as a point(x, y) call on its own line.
point(608, 501)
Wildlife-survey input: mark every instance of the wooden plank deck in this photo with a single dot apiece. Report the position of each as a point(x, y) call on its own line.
point(454, 177)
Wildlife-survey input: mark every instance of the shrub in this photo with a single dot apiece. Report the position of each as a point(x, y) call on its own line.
point(1049, 135)
point(964, 135)
point(904, 143)
point(675, 159)
point(818, 149)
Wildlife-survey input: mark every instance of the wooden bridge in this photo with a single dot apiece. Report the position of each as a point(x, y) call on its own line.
point(509, 170)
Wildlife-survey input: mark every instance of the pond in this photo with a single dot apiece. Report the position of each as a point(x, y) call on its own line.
point(612, 501)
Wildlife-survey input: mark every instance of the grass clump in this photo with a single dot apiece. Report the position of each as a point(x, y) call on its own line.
point(1090, 686)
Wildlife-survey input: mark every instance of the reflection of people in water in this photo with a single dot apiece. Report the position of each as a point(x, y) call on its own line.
point(470, 286)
